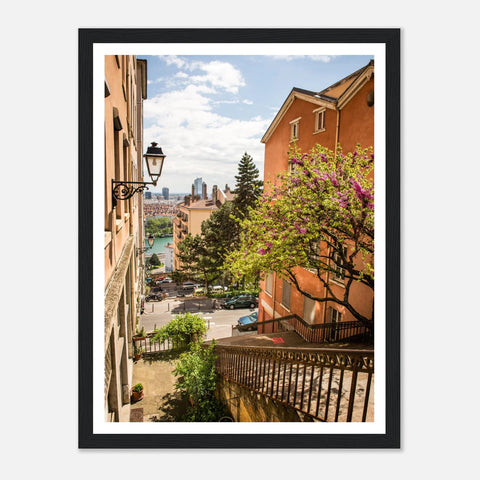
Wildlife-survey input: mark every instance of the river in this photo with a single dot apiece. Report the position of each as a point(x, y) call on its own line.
point(158, 245)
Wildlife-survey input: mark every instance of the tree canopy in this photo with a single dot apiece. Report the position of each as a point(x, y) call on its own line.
point(248, 186)
point(196, 260)
point(159, 226)
point(319, 216)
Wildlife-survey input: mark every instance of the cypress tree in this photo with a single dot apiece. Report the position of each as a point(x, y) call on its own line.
point(248, 187)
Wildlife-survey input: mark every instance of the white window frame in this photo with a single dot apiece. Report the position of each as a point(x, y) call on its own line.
point(339, 272)
point(295, 129)
point(269, 284)
point(309, 309)
point(284, 305)
point(334, 316)
point(319, 115)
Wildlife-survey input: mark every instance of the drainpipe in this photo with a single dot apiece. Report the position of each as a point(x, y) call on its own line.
point(337, 130)
point(274, 296)
point(337, 135)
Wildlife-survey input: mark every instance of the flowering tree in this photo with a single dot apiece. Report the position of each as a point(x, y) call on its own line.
point(319, 216)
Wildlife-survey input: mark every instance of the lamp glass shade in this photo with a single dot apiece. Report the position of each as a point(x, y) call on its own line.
point(154, 159)
point(151, 240)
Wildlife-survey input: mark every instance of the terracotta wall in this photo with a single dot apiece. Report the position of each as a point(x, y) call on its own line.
point(356, 125)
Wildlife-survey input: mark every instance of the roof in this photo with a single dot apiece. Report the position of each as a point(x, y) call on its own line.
point(202, 204)
point(335, 96)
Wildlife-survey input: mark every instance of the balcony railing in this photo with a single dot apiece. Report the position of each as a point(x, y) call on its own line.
point(148, 346)
point(329, 385)
point(319, 333)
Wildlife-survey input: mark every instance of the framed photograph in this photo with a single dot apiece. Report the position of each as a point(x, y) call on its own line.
point(239, 238)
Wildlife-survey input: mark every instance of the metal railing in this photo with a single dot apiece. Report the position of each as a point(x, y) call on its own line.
point(329, 385)
point(318, 333)
point(147, 346)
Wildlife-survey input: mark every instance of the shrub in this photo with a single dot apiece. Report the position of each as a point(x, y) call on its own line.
point(198, 380)
point(183, 329)
point(137, 388)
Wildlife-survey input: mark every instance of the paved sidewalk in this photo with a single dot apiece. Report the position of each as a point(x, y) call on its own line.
point(161, 402)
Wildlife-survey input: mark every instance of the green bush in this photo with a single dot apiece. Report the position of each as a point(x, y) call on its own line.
point(198, 380)
point(233, 293)
point(182, 330)
point(137, 388)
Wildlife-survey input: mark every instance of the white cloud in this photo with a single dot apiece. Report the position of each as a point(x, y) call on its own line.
point(198, 141)
point(217, 74)
point(173, 60)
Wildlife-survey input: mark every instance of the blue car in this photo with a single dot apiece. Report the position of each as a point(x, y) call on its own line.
point(248, 322)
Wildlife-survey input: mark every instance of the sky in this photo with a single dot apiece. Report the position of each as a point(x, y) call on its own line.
point(207, 111)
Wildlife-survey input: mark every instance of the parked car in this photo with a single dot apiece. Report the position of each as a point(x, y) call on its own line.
point(156, 290)
point(154, 297)
point(167, 280)
point(199, 291)
point(188, 285)
point(242, 301)
point(248, 322)
point(218, 288)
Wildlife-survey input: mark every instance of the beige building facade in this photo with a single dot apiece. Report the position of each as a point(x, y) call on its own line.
point(125, 90)
point(192, 212)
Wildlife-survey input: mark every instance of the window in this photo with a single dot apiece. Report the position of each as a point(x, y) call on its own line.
point(334, 316)
point(319, 120)
point(338, 255)
point(286, 290)
point(309, 310)
point(268, 283)
point(294, 128)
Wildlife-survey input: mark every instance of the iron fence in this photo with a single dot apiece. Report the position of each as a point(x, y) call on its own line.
point(326, 384)
point(319, 333)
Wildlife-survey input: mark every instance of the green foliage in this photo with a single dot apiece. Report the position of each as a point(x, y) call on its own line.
point(159, 227)
point(234, 293)
point(318, 216)
point(198, 380)
point(220, 235)
point(182, 330)
point(248, 187)
point(137, 388)
point(197, 371)
point(196, 259)
point(140, 332)
point(154, 260)
point(138, 350)
point(206, 410)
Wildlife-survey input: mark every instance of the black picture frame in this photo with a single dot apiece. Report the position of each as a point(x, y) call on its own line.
point(390, 37)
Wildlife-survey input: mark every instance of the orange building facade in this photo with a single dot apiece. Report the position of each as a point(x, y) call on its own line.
point(341, 115)
point(125, 90)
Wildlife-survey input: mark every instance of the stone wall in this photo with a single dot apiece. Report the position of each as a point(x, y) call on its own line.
point(248, 406)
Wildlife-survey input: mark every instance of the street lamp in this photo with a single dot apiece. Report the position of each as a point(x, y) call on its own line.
point(151, 241)
point(122, 190)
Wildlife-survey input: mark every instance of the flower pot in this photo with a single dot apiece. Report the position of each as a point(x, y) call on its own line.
point(137, 396)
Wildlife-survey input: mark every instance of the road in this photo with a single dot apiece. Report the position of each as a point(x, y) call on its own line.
point(220, 321)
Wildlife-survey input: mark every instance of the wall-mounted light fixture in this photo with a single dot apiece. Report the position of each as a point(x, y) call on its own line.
point(154, 158)
point(151, 241)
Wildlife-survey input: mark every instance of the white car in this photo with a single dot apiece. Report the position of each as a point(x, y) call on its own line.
point(218, 288)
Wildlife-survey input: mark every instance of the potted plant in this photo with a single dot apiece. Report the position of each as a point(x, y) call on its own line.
point(137, 392)
point(140, 333)
point(138, 351)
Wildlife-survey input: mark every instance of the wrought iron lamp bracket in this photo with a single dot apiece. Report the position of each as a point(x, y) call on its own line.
point(125, 190)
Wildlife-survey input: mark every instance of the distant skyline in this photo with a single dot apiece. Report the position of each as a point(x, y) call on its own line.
point(207, 111)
